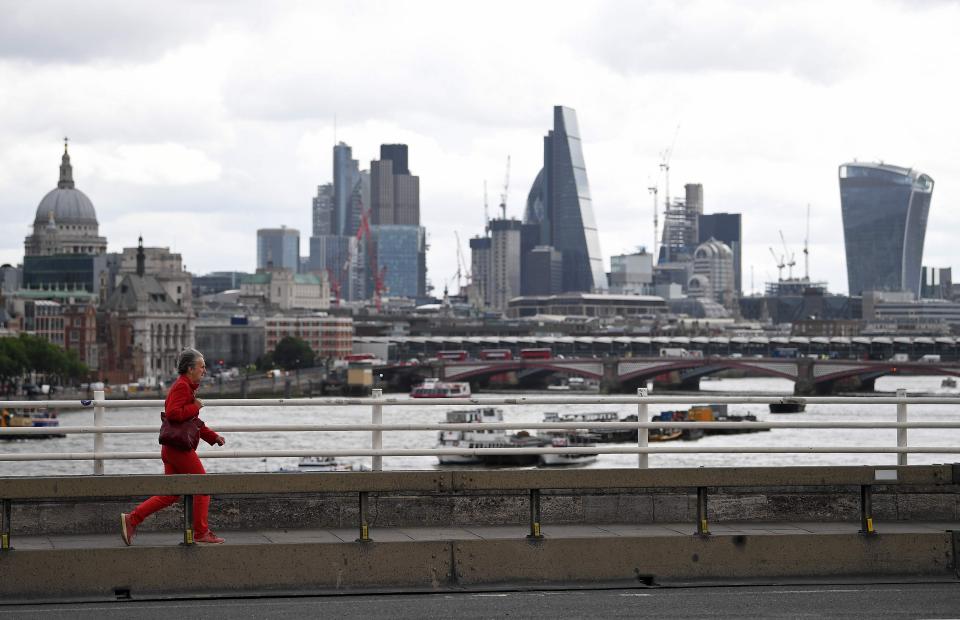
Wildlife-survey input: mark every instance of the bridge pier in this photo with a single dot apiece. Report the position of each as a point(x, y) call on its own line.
point(610, 382)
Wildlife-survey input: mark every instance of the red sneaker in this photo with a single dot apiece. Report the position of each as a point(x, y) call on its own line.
point(208, 538)
point(127, 528)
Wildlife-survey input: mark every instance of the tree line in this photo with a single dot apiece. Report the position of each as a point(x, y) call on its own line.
point(25, 353)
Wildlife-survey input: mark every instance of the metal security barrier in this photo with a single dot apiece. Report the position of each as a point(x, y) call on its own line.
point(376, 428)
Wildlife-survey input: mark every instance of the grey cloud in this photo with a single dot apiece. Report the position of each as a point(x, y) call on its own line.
point(699, 37)
point(56, 31)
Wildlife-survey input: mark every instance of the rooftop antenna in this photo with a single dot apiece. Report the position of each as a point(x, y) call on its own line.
point(653, 190)
point(806, 248)
point(506, 188)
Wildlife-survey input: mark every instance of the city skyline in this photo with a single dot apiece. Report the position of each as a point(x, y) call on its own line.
point(170, 117)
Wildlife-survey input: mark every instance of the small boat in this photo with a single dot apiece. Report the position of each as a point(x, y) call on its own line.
point(949, 382)
point(568, 440)
point(322, 463)
point(434, 388)
point(470, 438)
point(39, 418)
point(788, 405)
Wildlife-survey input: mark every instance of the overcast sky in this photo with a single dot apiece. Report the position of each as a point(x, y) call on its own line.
point(196, 123)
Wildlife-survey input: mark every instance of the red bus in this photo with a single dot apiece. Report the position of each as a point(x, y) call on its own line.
point(496, 354)
point(360, 357)
point(456, 356)
point(536, 354)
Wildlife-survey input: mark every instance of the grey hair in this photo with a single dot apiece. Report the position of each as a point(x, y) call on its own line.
point(188, 357)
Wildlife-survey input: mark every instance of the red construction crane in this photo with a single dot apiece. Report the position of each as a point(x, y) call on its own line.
point(378, 274)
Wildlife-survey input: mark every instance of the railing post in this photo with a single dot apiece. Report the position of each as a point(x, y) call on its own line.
point(866, 511)
point(535, 532)
point(901, 432)
point(188, 519)
point(643, 415)
point(702, 528)
point(98, 415)
point(5, 533)
point(377, 436)
point(364, 522)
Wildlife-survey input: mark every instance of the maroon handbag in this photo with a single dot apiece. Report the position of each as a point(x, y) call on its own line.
point(180, 435)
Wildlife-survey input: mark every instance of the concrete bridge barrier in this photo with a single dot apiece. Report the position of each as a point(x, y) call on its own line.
point(480, 529)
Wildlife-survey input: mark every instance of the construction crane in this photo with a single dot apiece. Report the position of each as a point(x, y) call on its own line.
point(790, 262)
point(653, 253)
point(806, 248)
point(462, 272)
point(379, 275)
point(506, 188)
point(486, 208)
point(780, 265)
point(665, 157)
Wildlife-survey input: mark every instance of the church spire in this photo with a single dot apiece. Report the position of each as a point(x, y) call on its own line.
point(66, 170)
point(141, 259)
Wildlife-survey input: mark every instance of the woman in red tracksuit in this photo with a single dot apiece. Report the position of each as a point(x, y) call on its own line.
point(181, 404)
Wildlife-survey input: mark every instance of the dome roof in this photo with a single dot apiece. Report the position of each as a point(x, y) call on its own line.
point(711, 248)
point(67, 204)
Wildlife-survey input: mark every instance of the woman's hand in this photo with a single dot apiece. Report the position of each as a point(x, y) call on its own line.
point(220, 440)
point(198, 401)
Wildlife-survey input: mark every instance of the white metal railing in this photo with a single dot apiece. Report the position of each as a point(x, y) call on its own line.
point(376, 428)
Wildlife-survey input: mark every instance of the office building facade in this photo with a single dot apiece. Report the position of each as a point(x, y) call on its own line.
point(278, 248)
point(504, 262)
point(885, 211)
point(725, 227)
point(400, 257)
point(559, 203)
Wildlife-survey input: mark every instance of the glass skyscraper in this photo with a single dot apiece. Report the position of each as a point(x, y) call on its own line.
point(560, 203)
point(278, 248)
point(400, 253)
point(884, 211)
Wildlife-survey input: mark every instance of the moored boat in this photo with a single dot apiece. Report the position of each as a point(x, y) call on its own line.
point(322, 463)
point(39, 418)
point(601, 435)
point(788, 405)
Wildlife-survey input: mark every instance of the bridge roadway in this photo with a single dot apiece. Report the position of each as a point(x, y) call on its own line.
point(465, 530)
point(626, 374)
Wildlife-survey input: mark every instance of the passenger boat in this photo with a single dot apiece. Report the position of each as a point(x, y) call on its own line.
point(469, 439)
point(568, 440)
point(39, 418)
point(523, 439)
point(434, 388)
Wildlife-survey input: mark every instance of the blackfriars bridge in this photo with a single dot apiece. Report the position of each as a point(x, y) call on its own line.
point(626, 374)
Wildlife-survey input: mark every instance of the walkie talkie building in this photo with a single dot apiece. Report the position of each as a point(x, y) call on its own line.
point(884, 211)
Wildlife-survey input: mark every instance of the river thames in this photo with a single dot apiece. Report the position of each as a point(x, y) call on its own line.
point(215, 416)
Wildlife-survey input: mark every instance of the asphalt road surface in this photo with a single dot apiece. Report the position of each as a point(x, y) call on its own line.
point(911, 600)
